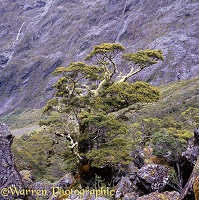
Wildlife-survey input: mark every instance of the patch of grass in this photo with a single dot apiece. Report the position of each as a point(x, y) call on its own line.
point(20, 118)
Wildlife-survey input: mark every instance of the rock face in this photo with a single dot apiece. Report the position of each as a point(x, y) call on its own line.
point(49, 33)
point(9, 176)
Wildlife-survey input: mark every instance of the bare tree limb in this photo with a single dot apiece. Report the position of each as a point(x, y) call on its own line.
point(72, 146)
point(131, 73)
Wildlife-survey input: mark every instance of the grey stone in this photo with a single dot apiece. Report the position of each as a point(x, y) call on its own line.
point(154, 177)
point(65, 181)
point(196, 135)
point(124, 186)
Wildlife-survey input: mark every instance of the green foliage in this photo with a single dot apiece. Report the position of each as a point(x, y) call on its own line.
point(107, 124)
point(53, 119)
point(32, 152)
point(109, 50)
point(86, 95)
point(50, 105)
point(41, 153)
point(123, 94)
point(182, 135)
point(154, 130)
point(113, 152)
point(77, 69)
point(192, 116)
point(146, 128)
point(144, 58)
point(166, 145)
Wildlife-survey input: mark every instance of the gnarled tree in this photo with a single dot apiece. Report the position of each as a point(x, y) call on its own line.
point(87, 95)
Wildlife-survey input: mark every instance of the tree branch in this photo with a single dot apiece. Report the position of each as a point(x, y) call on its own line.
point(72, 146)
point(131, 73)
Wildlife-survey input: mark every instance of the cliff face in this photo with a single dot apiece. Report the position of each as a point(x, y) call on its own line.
point(36, 36)
point(9, 176)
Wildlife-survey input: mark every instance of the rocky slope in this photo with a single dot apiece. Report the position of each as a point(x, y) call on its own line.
point(36, 36)
point(149, 181)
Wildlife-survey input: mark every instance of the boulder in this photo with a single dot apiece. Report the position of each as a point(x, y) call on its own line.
point(125, 188)
point(65, 181)
point(132, 171)
point(131, 196)
point(153, 177)
point(27, 178)
point(40, 190)
point(196, 187)
point(160, 196)
point(50, 190)
point(9, 176)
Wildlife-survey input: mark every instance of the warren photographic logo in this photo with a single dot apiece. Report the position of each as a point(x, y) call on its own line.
point(55, 191)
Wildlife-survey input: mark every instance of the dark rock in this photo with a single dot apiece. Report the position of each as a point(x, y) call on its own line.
point(124, 187)
point(138, 158)
point(131, 196)
point(192, 151)
point(3, 59)
point(48, 190)
point(85, 46)
point(30, 69)
point(196, 135)
point(191, 155)
point(53, 67)
point(9, 175)
point(132, 171)
point(40, 4)
point(107, 174)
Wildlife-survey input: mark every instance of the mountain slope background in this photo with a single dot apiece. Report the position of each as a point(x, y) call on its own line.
point(37, 36)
